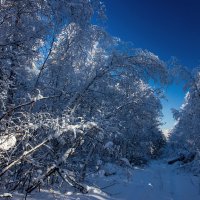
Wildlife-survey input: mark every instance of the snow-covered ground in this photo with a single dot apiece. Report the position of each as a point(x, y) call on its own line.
point(158, 181)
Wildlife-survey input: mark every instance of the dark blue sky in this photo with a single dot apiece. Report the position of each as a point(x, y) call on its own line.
point(165, 27)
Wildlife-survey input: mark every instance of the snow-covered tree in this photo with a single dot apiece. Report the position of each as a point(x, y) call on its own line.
point(107, 85)
point(186, 130)
point(68, 90)
point(185, 137)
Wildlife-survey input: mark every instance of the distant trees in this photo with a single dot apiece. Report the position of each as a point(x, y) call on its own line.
point(67, 90)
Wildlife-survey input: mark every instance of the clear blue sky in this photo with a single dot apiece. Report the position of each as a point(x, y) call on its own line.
point(165, 27)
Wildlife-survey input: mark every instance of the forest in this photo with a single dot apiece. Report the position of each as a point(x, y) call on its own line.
point(74, 99)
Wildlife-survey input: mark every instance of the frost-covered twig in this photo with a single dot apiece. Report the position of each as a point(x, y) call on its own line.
point(44, 63)
point(26, 104)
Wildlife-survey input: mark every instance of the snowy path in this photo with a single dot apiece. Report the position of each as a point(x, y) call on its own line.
point(159, 181)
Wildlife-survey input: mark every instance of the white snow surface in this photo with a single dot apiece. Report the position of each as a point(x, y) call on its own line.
point(7, 142)
point(158, 181)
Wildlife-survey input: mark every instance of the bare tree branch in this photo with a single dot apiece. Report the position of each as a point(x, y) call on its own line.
point(24, 155)
point(44, 63)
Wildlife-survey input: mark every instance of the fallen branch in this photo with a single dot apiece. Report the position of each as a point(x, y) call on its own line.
point(24, 155)
point(183, 158)
point(44, 177)
point(72, 182)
